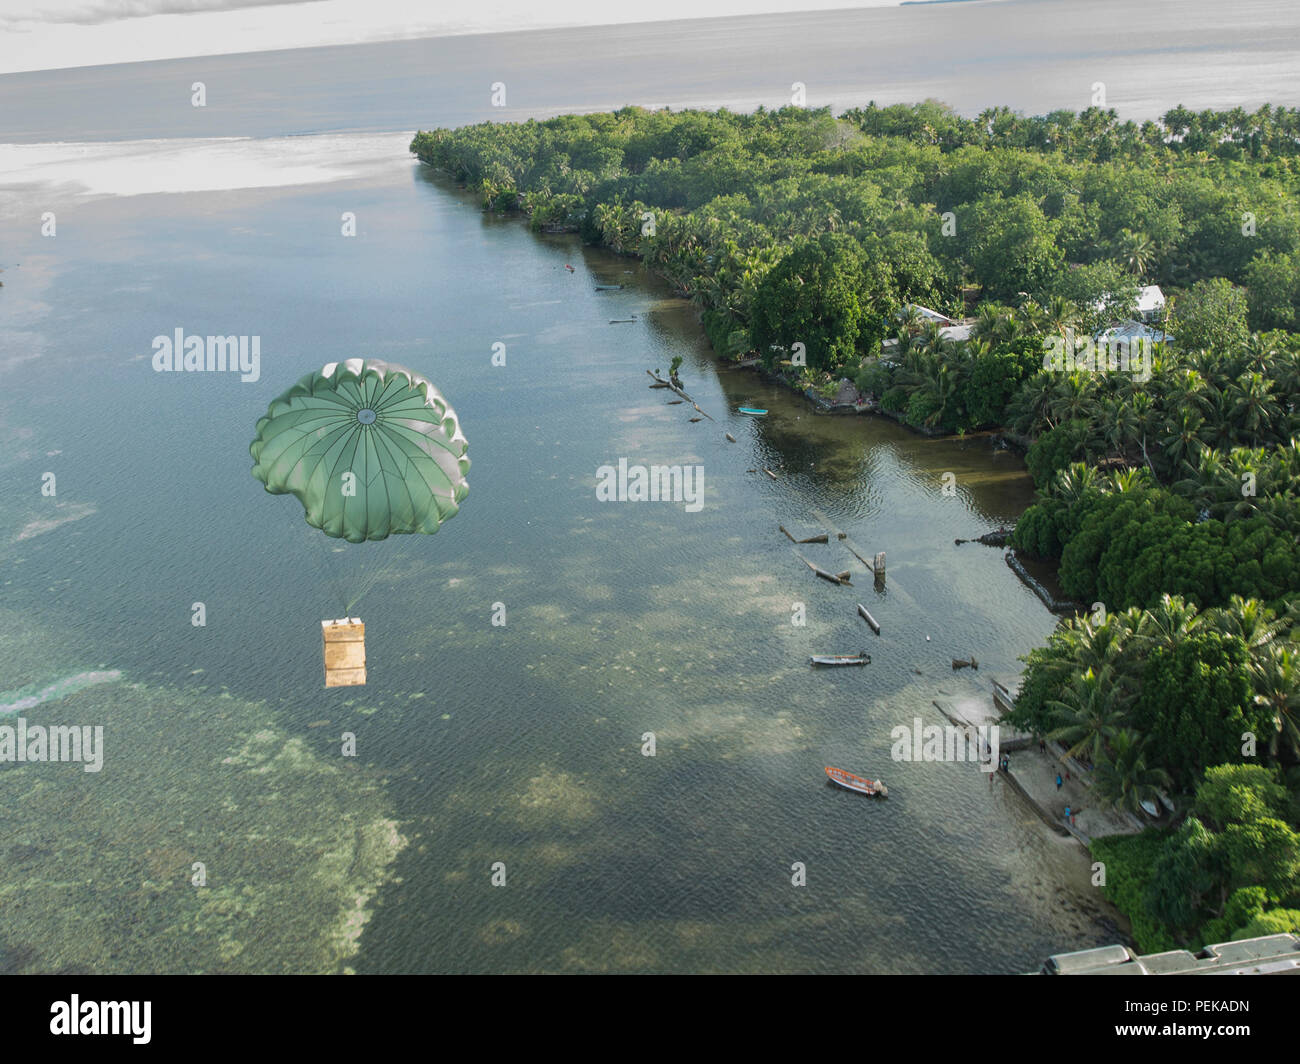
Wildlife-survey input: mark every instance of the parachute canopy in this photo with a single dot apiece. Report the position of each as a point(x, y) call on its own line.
point(388, 427)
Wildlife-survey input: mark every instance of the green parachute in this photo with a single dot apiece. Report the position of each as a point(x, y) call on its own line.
point(370, 449)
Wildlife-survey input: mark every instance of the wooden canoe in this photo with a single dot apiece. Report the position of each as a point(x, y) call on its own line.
point(856, 783)
point(861, 658)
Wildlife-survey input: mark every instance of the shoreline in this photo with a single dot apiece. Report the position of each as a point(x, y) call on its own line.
point(1032, 773)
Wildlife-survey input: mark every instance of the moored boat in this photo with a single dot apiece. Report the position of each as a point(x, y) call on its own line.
point(861, 658)
point(751, 410)
point(856, 783)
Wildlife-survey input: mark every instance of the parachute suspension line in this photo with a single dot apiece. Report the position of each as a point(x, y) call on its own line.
point(321, 551)
point(366, 584)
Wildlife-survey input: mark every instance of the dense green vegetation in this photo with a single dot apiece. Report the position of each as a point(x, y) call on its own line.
point(1231, 870)
point(1175, 700)
point(1124, 541)
point(940, 206)
point(1168, 477)
point(1186, 682)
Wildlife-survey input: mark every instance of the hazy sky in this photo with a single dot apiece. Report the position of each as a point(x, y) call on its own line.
point(46, 34)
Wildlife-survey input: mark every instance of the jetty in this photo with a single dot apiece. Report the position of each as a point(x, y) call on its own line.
point(1032, 772)
point(1049, 600)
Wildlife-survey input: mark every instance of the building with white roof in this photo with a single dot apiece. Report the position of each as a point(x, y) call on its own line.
point(1150, 302)
point(1149, 306)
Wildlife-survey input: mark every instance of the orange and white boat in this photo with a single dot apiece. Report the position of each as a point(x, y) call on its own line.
point(856, 783)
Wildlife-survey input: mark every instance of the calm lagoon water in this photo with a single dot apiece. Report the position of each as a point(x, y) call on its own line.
point(478, 743)
point(475, 743)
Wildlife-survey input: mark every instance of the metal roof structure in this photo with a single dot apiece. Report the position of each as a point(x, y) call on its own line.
point(1268, 955)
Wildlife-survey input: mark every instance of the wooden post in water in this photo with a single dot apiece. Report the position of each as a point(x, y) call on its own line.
point(878, 567)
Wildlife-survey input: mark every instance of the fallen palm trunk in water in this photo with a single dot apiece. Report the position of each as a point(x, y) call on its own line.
point(996, 538)
point(866, 616)
point(661, 383)
point(822, 538)
point(834, 578)
point(877, 566)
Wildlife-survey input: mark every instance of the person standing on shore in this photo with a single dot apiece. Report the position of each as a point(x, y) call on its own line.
point(1059, 781)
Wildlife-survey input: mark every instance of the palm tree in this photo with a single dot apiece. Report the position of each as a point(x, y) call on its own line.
point(932, 338)
point(1182, 442)
point(1124, 780)
point(1119, 426)
point(1204, 483)
point(1122, 481)
point(1188, 388)
point(1277, 687)
point(1060, 315)
point(1075, 398)
point(1251, 621)
point(1285, 372)
point(1169, 623)
point(1219, 430)
point(1031, 407)
point(1032, 316)
point(1074, 481)
point(1135, 251)
point(1010, 329)
point(1253, 407)
point(1088, 715)
point(1242, 464)
point(909, 321)
point(1104, 649)
point(988, 320)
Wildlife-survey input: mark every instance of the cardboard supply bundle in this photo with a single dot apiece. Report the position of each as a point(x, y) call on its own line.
point(345, 652)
